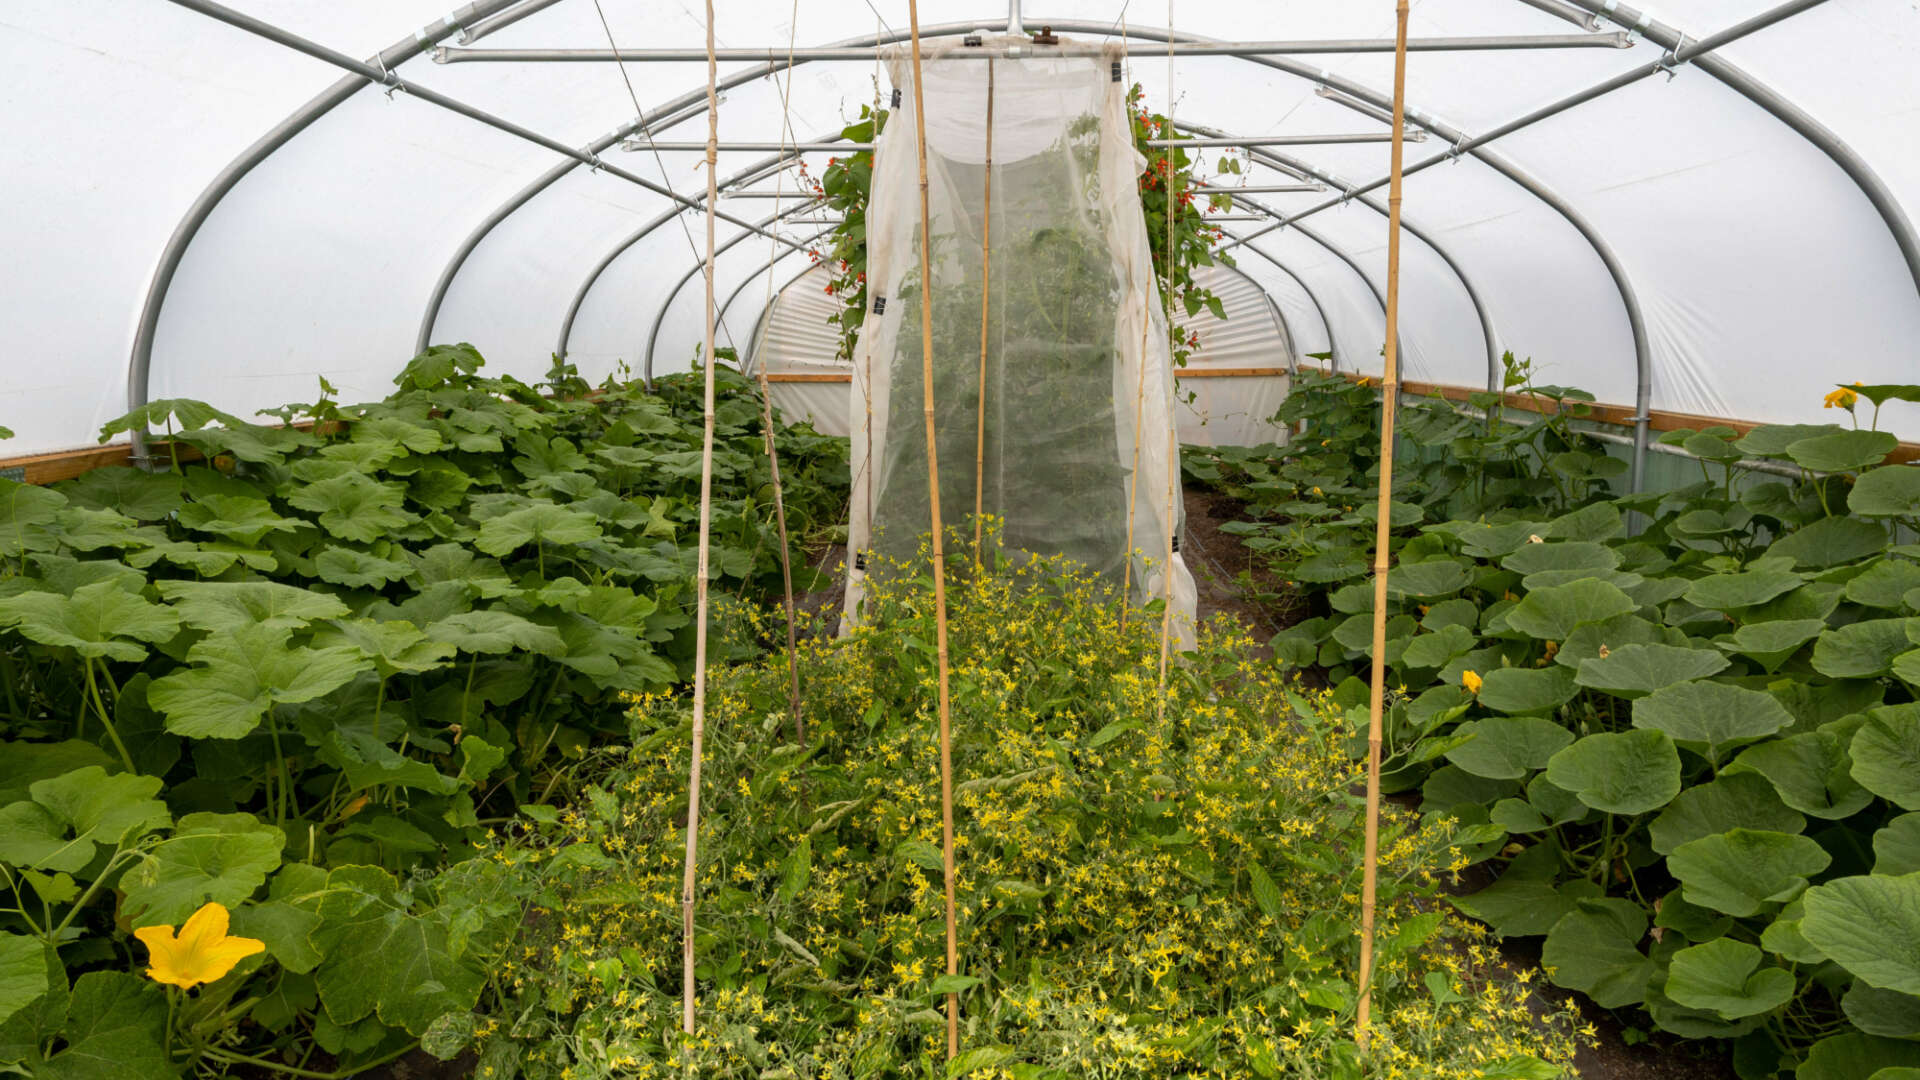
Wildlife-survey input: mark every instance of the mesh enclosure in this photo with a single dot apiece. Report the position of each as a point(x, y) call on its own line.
point(1075, 347)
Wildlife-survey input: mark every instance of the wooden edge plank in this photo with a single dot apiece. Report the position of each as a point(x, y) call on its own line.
point(1230, 372)
point(809, 377)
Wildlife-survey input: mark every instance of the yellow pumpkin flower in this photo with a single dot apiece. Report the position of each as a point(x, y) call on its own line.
point(201, 953)
point(1842, 398)
point(1471, 680)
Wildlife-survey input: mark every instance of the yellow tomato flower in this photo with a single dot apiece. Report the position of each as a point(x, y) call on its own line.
point(201, 953)
point(1842, 398)
point(1471, 680)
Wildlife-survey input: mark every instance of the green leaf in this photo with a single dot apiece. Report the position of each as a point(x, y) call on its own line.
point(1862, 650)
point(1896, 848)
point(1527, 690)
point(1869, 925)
point(72, 815)
point(1725, 977)
point(1842, 451)
point(795, 871)
point(542, 522)
point(1886, 754)
point(1111, 732)
point(496, 632)
point(1434, 577)
point(395, 647)
point(221, 858)
point(95, 621)
point(1598, 522)
point(1886, 582)
point(1772, 440)
point(358, 569)
point(1626, 772)
point(1831, 542)
point(1812, 771)
point(1725, 592)
point(1741, 870)
point(1524, 901)
point(1711, 718)
point(1855, 1056)
point(22, 763)
point(1771, 643)
point(953, 984)
point(286, 930)
point(355, 507)
point(1594, 949)
point(1633, 671)
point(138, 494)
point(1551, 614)
point(240, 518)
point(1735, 800)
point(23, 972)
point(245, 605)
point(1532, 558)
point(1265, 893)
point(978, 1058)
point(237, 678)
point(24, 510)
point(1888, 491)
point(1508, 747)
point(384, 959)
point(1436, 649)
point(1887, 1013)
point(115, 1031)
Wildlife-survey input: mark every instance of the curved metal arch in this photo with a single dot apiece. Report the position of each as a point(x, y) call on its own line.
point(660, 317)
point(760, 320)
point(1279, 317)
point(1333, 345)
point(745, 176)
point(1490, 336)
point(140, 360)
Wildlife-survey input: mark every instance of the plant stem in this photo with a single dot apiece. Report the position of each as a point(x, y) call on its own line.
point(93, 688)
point(280, 760)
point(228, 1057)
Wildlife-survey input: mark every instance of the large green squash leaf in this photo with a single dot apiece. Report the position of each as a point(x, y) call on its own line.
point(1725, 592)
point(237, 678)
point(1627, 772)
point(1887, 1013)
point(1595, 949)
point(72, 815)
point(96, 621)
point(1561, 555)
point(248, 606)
point(496, 632)
point(355, 507)
point(1551, 614)
point(1633, 671)
point(1527, 690)
point(1832, 542)
point(1711, 718)
point(1862, 650)
point(1855, 1056)
point(23, 972)
point(1508, 747)
point(115, 1030)
point(221, 858)
point(1742, 870)
point(1725, 977)
point(1889, 491)
point(1896, 848)
point(1886, 754)
point(1771, 643)
point(1886, 583)
point(384, 958)
point(1812, 771)
point(542, 522)
point(1735, 800)
point(1842, 451)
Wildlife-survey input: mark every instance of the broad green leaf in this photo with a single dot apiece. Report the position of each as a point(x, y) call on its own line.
point(358, 569)
point(1626, 772)
point(355, 507)
point(478, 576)
point(23, 972)
point(384, 958)
point(1266, 894)
point(1886, 583)
point(1633, 671)
point(395, 647)
point(1832, 542)
point(1455, 612)
point(24, 510)
point(1742, 870)
point(1508, 747)
point(795, 871)
point(1527, 690)
point(1711, 718)
point(1434, 650)
point(96, 621)
point(1598, 522)
point(72, 815)
point(1862, 650)
point(1771, 643)
point(1551, 614)
point(1888, 491)
point(240, 518)
point(285, 929)
point(1896, 848)
point(1435, 577)
point(1855, 1056)
point(542, 522)
point(1886, 754)
point(980, 1057)
point(1725, 592)
point(1494, 541)
point(1450, 786)
point(248, 606)
point(1555, 803)
point(1561, 555)
point(1842, 451)
point(1695, 923)
point(1812, 771)
point(1524, 901)
point(115, 1030)
point(1887, 1013)
point(138, 494)
point(237, 678)
point(23, 763)
point(1595, 949)
point(221, 858)
point(1814, 600)
point(1735, 800)
point(496, 632)
point(1586, 640)
point(1725, 977)
point(1772, 440)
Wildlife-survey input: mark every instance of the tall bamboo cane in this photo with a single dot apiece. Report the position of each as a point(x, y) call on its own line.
point(939, 541)
point(986, 280)
point(1389, 391)
point(687, 879)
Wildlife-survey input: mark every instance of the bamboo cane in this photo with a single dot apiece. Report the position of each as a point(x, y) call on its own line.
point(1173, 448)
point(939, 541)
point(1389, 391)
point(986, 279)
point(700, 586)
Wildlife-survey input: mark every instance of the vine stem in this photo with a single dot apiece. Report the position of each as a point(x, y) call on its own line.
point(93, 688)
point(228, 1057)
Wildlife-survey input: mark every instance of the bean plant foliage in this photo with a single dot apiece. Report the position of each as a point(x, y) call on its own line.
point(1138, 896)
point(286, 678)
point(1683, 724)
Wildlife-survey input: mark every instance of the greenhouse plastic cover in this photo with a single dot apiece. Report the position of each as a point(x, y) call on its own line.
point(1763, 272)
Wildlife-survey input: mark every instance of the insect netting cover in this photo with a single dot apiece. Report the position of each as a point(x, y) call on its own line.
point(1076, 351)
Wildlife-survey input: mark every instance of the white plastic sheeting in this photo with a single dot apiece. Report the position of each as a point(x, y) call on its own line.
point(1763, 271)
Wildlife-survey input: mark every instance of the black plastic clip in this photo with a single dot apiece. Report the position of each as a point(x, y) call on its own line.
point(1176, 543)
point(1116, 71)
point(860, 561)
point(971, 41)
point(879, 305)
point(896, 97)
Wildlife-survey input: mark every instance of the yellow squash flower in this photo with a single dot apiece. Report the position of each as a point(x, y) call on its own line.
point(201, 953)
point(1842, 398)
point(1471, 680)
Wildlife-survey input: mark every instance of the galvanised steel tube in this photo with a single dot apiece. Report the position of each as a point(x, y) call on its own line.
point(660, 317)
point(503, 20)
point(1287, 140)
point(635, 145)
point(779, 54)
point(1258, 189)
point(1559, 9)
point(1793, 116)
point(1333, 346)
point(140, 363)
point(593, 276)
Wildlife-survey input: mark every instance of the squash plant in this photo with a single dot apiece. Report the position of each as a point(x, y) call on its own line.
point(326, 655)
point(1694, 747)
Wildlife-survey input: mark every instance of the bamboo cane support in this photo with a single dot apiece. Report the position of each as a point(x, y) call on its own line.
point(689, 872)
point(939, 540)
point(1389, 393)
point(986, 281)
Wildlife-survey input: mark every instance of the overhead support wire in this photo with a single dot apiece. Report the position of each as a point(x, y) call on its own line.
point(774, 55)
point(1259, 189)
point(503, 20)
point(1354, 104)
point(635, 144)
point(1286, 140)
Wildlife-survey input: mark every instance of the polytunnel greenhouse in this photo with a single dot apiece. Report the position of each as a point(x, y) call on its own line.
point(902, 540)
